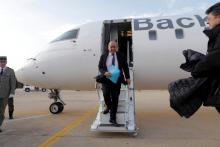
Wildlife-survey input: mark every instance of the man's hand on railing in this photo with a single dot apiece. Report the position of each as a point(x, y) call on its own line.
point(128, 81)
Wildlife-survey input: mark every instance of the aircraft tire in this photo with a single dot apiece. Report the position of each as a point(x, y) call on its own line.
point(56, 107)
point(27, 90)
point(61, 107)
point(43, 90)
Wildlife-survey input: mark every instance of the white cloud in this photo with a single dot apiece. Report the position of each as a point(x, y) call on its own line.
point(170, 3)
point(204, 6)
point(185, 10)
point(144, 15)
point(181, 11)
point(19, 36)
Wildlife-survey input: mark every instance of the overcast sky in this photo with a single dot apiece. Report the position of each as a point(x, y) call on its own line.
point(26, 26)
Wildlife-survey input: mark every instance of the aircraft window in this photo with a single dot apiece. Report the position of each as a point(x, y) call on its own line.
point(152, 35)
point(72, 34)
point(179, 33)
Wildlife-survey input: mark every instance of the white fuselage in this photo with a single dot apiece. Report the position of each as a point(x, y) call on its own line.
point(72, 64)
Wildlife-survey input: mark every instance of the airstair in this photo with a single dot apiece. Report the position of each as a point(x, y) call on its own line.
point(125, 114)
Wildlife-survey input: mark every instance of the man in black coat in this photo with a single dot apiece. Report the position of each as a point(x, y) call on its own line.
point(187, 95)
point(111, 90)
point(210, 65)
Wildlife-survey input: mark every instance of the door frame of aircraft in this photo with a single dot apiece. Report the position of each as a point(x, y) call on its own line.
point(121, 32)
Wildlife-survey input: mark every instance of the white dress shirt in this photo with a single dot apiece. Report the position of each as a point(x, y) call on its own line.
point(109, 60)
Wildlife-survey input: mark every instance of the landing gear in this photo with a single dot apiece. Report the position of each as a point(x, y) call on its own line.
point(58, 105)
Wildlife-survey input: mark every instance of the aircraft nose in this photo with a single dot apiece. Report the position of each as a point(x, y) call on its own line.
point(24, 73)
point(20, 75)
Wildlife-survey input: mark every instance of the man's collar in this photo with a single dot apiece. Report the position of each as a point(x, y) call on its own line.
point(110, 54)
point(3, 67)
point(211, 33)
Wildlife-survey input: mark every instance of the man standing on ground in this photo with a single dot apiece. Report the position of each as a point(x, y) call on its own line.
point(7, 86)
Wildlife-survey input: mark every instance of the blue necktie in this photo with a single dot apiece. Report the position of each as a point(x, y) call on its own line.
point(1, 71)
point(113, 59)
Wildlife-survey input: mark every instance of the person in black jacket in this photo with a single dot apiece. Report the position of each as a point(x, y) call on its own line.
point(111, 90)
point(210, 65)
point(187, 95)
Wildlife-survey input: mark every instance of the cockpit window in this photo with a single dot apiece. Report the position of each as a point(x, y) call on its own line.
point(72, 34)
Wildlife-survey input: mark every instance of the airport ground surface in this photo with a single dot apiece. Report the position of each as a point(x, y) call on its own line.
point(158, 124)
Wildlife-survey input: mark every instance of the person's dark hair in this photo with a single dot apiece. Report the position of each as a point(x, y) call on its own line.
point(4, 58)
point(214, 9)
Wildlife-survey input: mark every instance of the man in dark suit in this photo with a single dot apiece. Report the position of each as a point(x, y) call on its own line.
point(7, 86)
point(111, 90)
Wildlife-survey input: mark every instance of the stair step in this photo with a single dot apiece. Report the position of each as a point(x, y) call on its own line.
point(111, 125)
point(121, 108)
point(119, 101)
point(117, 112)
point(111, 129)
point(120, 118)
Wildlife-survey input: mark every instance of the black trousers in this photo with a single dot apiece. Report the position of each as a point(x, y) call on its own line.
point(111, 94)
point(10, 105)
point(3, 104)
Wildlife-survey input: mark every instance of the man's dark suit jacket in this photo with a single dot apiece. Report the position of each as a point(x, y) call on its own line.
point(122, 65)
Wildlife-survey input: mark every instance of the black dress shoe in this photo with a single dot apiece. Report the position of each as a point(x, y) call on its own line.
point(10, 114)
point(0, 130)
point(218, 109)
point(106, 111)
point(114, 123)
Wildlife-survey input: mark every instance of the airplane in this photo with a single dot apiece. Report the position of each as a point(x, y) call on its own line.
point(153, 47)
